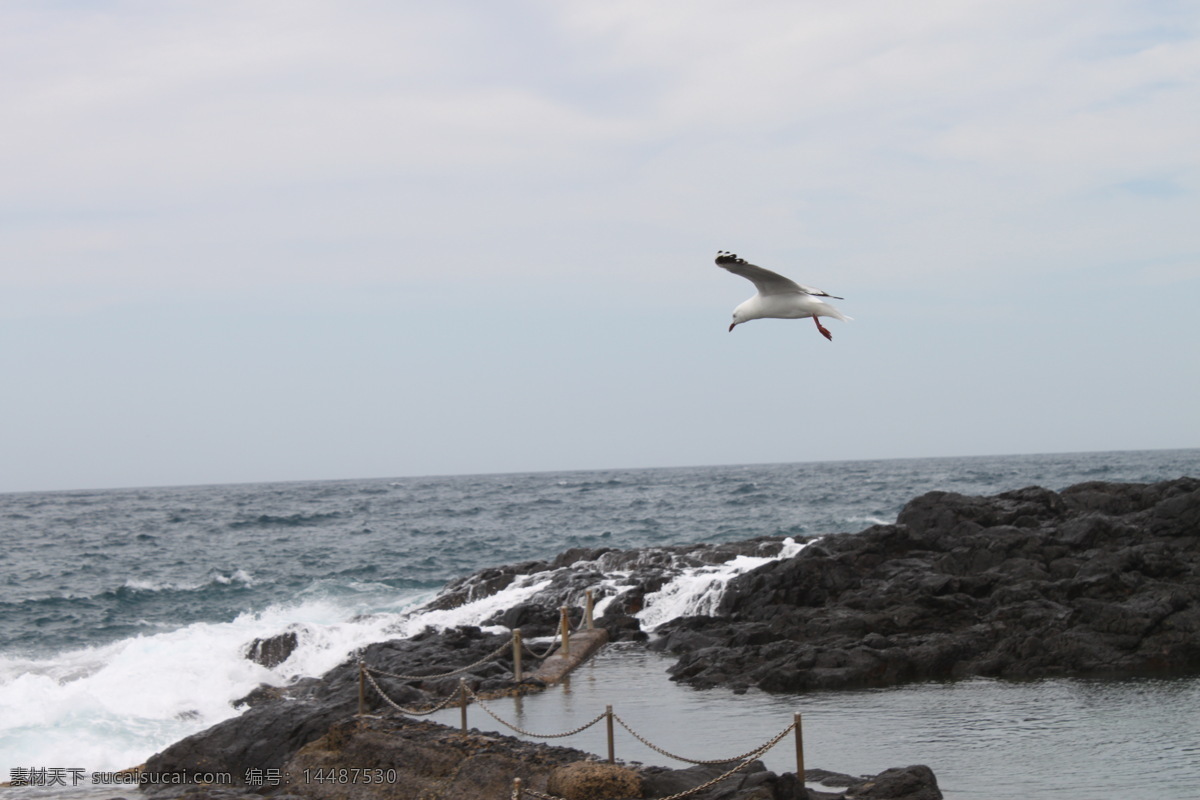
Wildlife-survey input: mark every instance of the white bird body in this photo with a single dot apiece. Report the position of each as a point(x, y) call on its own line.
point(778, 297)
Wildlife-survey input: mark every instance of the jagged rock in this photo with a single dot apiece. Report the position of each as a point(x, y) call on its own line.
point(274, 650)
point(481, 584)
point(899, 783)
point(424, 759)
point(1096, 579)
point(1100, 579)
point(281, 720)
point(263, 737)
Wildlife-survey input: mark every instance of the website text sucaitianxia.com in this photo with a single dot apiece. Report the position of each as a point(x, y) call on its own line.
point(77, 776)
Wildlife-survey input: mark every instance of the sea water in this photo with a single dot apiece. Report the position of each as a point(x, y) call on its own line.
point(125, 614)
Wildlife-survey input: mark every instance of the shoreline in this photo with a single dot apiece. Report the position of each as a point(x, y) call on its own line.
point(1092, 519)
point(950, 559)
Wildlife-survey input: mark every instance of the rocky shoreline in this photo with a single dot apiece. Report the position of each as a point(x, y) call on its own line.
point(1098, 579)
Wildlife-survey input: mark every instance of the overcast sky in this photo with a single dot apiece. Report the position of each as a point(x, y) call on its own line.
point(252, 241)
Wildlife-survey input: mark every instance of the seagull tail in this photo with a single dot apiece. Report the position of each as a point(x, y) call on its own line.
point(830, 311)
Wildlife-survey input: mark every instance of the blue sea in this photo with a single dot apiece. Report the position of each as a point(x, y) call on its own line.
point(125, 614)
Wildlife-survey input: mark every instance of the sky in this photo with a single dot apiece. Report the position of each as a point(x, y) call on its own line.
point(292, 240)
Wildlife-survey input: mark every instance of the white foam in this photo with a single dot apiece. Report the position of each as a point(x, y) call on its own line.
point(870, 520)
point(111, 707)
point(698, 591)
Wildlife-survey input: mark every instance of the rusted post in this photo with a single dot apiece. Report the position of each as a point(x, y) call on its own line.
point(517, 656)
point(516, 792)
point(566, 632)
point(612, 756)
point(362, 688)
point(462, 693)
point(591, 623)
point(800, 751)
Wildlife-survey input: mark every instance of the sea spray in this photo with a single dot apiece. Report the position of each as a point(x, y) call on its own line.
point(88, 571)
point(111, 706)
point(698, 590)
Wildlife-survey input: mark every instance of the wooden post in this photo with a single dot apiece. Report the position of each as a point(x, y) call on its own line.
point(362, 688)
point(566, 632)
point(591, 623)
point(612, 756)
point(462, 690)
point(800, 752)
point(517, 677)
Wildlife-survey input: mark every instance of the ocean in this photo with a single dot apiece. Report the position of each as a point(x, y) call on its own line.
point(125, 615)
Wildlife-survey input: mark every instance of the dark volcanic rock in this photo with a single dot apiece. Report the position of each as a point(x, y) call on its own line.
point(432, 760)
point(899, 783)
point(281, 720)
point(274, 650)
point(401, 758)
point(1099, 579)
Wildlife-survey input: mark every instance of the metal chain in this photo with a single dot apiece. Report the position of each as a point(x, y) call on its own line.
point(677, 796)
point(507, 724)
point(459, 671)
point(752, 757)
point(401, 709)
point(549, 650)
point(659, 750)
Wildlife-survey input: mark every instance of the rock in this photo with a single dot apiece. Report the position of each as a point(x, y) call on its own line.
point(534, 619)
point(900, 783)
point(281, 720)
point(591, 780)
point(263, 737)
point(274, 650)
point(1100, 579)
point(423, 759)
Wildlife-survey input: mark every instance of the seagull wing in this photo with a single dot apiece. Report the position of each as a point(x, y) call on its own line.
point(764, 280)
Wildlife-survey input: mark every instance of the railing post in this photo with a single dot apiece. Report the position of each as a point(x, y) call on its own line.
point(362, 688)
point(516, 792)
point(516, 641)
point(591, 623)
point(612, 756)
point(566, 632)
point(800, 751)
point(462, 690)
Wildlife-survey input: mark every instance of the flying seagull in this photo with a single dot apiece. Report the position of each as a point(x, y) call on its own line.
point(777, 296)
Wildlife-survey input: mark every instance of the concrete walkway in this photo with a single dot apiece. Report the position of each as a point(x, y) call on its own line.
point(583, 644)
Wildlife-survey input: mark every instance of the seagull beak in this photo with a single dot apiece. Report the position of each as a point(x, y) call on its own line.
point(731, 326)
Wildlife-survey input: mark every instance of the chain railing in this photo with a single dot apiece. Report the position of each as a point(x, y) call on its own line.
point(518, 791)
point(465, 695)
point(509, 725)
point(561, 640)
point(460, 671)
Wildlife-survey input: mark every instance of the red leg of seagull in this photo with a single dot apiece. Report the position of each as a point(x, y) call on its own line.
point(824, 331)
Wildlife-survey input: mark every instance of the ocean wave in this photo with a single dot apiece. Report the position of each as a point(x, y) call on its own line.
point(110, 706)
point(287, 520)
point(216, 579)
point(869, 520)
point(589, 486)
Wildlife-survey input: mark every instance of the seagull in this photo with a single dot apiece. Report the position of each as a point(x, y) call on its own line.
point(778, 297)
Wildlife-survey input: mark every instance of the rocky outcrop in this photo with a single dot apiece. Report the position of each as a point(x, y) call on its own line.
point(433, 760)
point(402, 758)
point(278, 721)
point(1099, 579)
point(273, 650)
